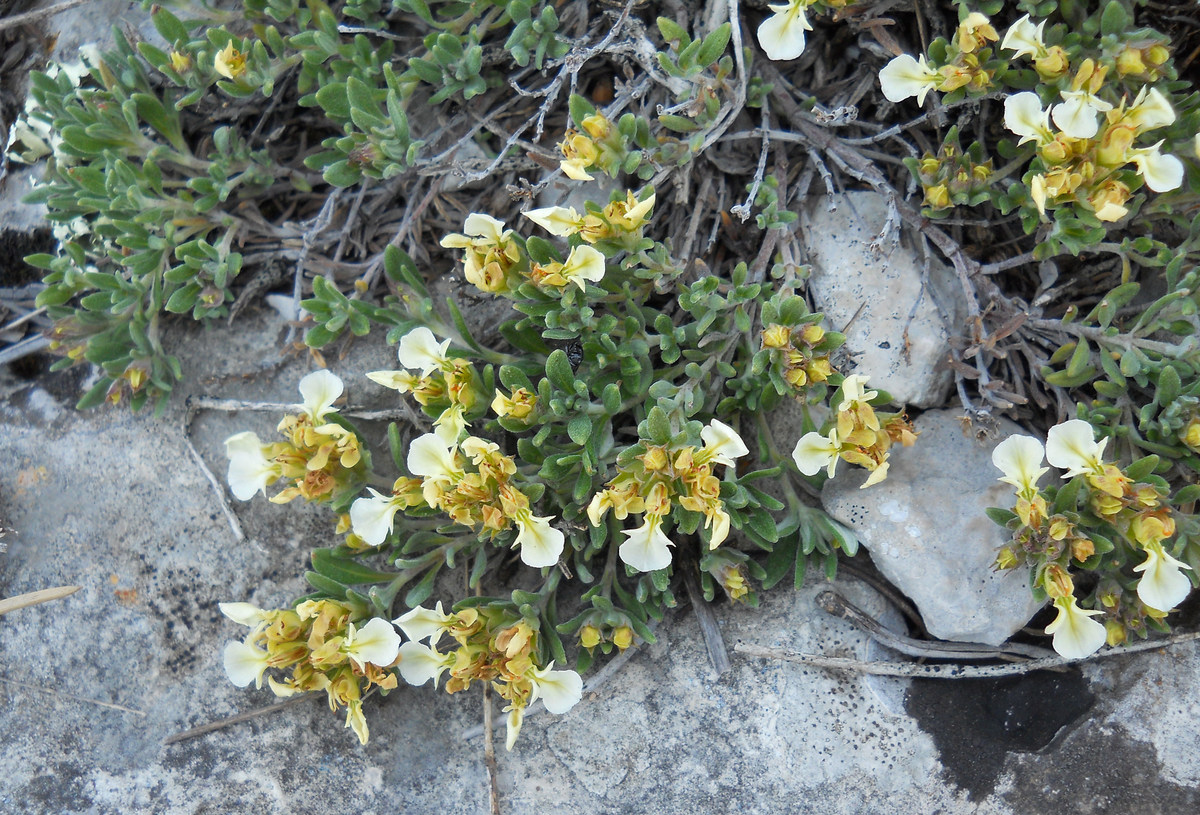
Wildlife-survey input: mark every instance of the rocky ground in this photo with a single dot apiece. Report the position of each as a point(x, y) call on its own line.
point(94, 685)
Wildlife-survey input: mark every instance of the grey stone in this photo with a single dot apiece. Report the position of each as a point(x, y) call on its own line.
point(874, 290)
point(927, 532)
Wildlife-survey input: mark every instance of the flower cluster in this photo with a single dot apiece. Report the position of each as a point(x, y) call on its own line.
point(324, 646)
point(1104, 513)
point(858, 436)
point(621, 220)
point(963, 67)
point(320, 459)
point(655, 479)
point(442, 382)
point(596, 145)
point(492, 646)
point(482, 496)
point(491, 256)
point(800, 352)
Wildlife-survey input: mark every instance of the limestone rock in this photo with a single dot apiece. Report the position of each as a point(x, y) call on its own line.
point(849, 273)
point(927, 532)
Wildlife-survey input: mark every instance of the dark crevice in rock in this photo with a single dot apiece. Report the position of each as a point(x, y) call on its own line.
point(976, 723)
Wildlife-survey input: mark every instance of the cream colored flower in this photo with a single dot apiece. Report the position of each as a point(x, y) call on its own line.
point(320, 390)
point(1163, 586)
point(246, 614)
point(647, 547)
point(420, 663)
point(584, 263)
point(1024, 115)
point(229, 62)
point(853, 394)
point(1162, 173)
point(431, 458)
point(1076, 116)
point(402, 381)
point(1072, 446)
point(1025, 39)
point(559, 690)
point(904, 77)
point(376, 642)
point(245, 663)
point(420, 350)
point(814, 451)
point(1020, 459)
point(540, 544)
point(372, 518)
point(422, 623)
point(1075, 634)
point(782, 34)
point(1150, 110)
point(250, 471)
point(722, 444)
point(560, 221)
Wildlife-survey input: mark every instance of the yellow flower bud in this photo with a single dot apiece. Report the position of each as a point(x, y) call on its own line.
point(1129, 61)
point(812, 334)
point(937, 197)
point(776, 336)
point(1158, 55)
point(1053, 65)
point(1057, 582)
point(1114, 632)
point(180, 62)
point(589, 636)
point(1006, 559)
point(622, 637)
point(654, 459)
point(1191, 435)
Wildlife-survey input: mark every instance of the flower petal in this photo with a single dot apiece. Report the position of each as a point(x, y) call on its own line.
point(814, 451)
point(1076, 117)
point(1024, 38)
point(1162, 173)
point(420, 663)
point(1024, 115)
point(430, 457)
point(905, 77)
point(1072, 446)
point(1163, 586)
point(420, 350)
point(723, 442)
point(320, 390)
point(1075, 634)
point(560, 221)
point(244, 664)
point(246, 614)
point(372, 518)
point(646, 548)
point(250, 471)
point(539, 542)
point(377, 642)
point(559, 690)
point(782, 34)
point(480, 225)
point(1020, 459)
point(584, 263)
point(422, 623)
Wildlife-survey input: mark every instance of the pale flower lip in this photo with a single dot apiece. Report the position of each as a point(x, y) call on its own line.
point(905, 77)
point(320, 390)
point(782, 34)
point(560, 221)
point(1076, 116)
point(420, 663)
point(244, 663)
point(647, 547)
point(1150, 110)
point(814, 451)
point(723, 442)
point(420, 350)
point(372, 518)
point(1020, 459)
point(584, 263)
point(1163, 586)
point(377, 642)
point(250, 471)
point(421, 623)
point(430, 457)
point(1024, 38)
point(1162, 173)
point(1024, 115)
point(540, 543)
point(246, 614)
point(1075, 634)
point(559, 690)
point(1072, 446)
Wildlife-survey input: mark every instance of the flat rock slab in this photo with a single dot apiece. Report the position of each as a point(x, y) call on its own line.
point(927, 532)
point(92, 684)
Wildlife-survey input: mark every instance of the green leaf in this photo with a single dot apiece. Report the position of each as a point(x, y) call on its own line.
point(672, 30)
point(324, 585)
point(558, 371)
point(172, 30)
point(1142, 467)
point(763, 525)
point(1068, 496)
point(658, 426)
point(420, 592)
point(781, 561)
point(334, 101)
point(1000, 516)
point(341, 174)
point(713, 45)
point(345, 570)
point(1169, 386)
point(1115, 20)
point(580, 430)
